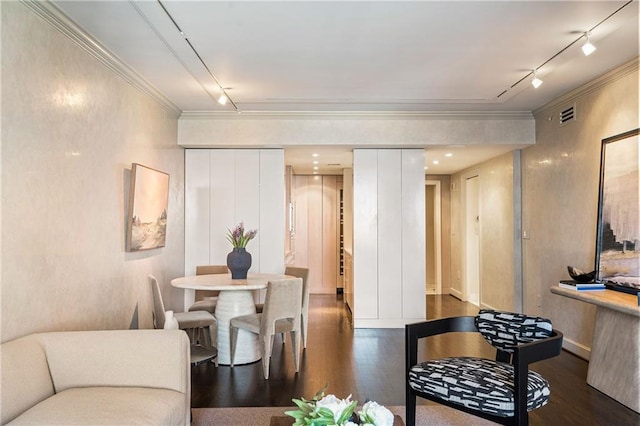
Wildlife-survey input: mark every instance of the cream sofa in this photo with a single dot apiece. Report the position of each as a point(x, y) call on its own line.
point(117, 377)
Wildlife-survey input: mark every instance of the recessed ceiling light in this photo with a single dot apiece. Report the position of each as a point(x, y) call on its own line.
point(436, 162)
point(315, 154)
point(448, 154)
point(426, 168)
point(316, 162)
point(315, 168)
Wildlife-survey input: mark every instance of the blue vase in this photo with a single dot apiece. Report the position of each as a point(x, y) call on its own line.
point(239, 262)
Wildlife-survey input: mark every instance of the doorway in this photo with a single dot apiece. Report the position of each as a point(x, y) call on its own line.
point(433, 236)
point(471, 196)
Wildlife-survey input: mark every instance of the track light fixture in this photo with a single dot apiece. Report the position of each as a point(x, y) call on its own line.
point(222, 99)
point(536, 82)
point(587, 47)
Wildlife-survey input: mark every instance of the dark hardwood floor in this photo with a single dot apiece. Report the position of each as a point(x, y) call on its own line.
point(369, 364)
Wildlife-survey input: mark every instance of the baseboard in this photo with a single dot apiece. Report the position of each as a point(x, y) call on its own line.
point(576, 348)
point(385, 323)
point(485, 306)
point(455, 293)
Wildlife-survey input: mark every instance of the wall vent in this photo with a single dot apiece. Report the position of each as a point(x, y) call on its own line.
point(567, 115)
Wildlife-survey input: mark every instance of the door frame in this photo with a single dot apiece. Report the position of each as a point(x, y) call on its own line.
point(465, 290)
point(437, 218)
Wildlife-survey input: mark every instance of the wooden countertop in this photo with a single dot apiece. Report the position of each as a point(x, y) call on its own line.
point(615, 300)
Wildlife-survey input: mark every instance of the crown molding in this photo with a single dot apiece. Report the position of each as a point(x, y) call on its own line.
point(61, 22)
point(605, 79)
point(358, 115)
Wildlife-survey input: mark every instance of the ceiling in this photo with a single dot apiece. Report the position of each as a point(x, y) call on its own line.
point(363, 57)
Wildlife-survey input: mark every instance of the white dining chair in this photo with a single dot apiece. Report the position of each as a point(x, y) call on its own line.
point(207, 300)
point(299, 272)
point(201, 326)
point(281, 314)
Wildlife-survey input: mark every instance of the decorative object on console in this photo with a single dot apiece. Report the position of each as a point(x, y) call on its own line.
point(330, 410)
point(618, 236)
point(573, 285)
point(239, 259)
point(170, 321)
point(148, 203)
point(580, 276)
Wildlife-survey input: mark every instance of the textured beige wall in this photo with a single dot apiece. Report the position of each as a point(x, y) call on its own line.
point(496, 232)
point(70, 131)
point(560, 195)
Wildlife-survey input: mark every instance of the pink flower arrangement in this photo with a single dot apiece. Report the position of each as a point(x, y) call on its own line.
point(238, 238)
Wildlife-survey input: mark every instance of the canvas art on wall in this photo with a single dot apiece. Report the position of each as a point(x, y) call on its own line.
point(618, 245)
point(148, 203)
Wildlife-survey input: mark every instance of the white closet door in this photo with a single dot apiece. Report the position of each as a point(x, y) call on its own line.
point(413, 231)
point(365, 233)
point(223, 195)
point(272, 211)
point(247, 199)
point(197, 209)
point(390, 233)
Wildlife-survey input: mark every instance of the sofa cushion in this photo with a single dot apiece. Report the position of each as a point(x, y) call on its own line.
point(25, 376)
point(108, 406)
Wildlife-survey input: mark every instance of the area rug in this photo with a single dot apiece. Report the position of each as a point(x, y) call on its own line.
point(426, 415)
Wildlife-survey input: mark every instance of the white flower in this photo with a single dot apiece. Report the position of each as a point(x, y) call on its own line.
point(350, 424)
point(336, 405)
point(376, 414)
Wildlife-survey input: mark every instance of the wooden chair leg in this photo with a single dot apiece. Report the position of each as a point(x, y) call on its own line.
point(267, 345)
point(295, 346)
point(303, 328)
point(233, 338)
point(410, 413)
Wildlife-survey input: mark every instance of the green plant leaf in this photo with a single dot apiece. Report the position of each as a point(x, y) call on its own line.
point(346, 414)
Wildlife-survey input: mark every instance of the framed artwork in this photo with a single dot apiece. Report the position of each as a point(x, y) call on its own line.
point(618, 238)
point(148, 202)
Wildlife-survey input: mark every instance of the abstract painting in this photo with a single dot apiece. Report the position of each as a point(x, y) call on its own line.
point(618, 244)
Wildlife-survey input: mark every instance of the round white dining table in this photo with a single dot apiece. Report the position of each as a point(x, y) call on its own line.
point(235, 299)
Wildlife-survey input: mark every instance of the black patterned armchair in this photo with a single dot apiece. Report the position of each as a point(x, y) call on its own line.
point(504, 390)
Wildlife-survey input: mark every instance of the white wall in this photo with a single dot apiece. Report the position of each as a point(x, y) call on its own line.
point(388, 237)
point(70, 130)
point(224, 187)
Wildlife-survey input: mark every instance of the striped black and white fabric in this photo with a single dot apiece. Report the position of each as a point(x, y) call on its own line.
point(483, 384)
point(504, 330)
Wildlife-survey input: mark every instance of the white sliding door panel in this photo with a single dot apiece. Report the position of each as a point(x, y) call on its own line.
point(413, 231)
point(197, 197)
point(365, 233)
point(272, 211)
point(224, 187)
point(247, 199)
point(222, 216)
point(390, 233)
point(388, 237)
